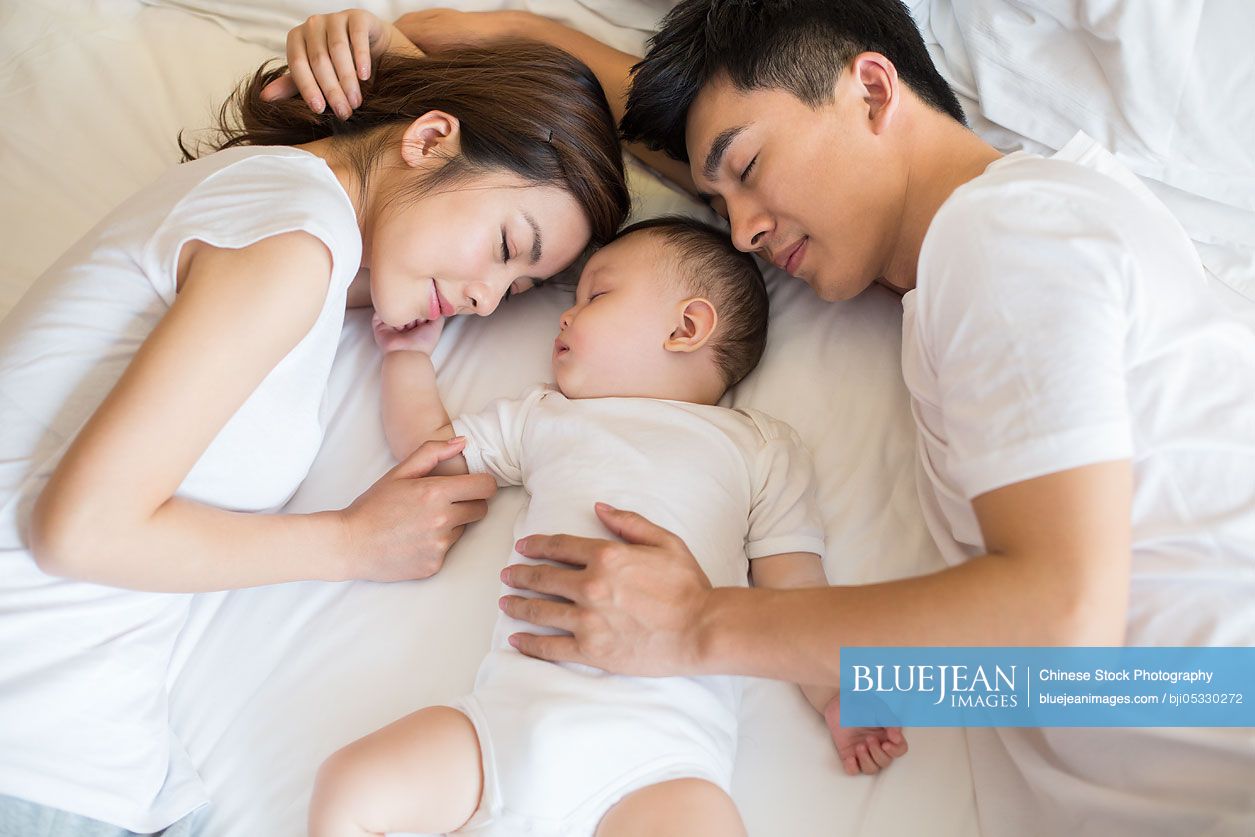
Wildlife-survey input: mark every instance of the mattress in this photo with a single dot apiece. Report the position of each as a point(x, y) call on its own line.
point(265, 683)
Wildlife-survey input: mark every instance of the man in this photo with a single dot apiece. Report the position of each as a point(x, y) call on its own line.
point(1088, 472)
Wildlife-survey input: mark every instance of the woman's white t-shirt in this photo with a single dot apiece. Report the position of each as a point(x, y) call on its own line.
point(83, 704)
point(1060, 319)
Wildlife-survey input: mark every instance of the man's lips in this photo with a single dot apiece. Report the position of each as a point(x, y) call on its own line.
point(789, 259)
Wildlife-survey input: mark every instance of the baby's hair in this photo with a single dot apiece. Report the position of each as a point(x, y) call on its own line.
point(709, 266)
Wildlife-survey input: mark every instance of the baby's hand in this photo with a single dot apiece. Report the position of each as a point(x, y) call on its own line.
point(421, 337)
point(863, 749)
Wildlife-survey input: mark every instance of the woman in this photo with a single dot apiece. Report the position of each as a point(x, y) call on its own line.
point(160, 389)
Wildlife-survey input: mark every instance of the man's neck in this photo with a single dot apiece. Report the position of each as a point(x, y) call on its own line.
point(943, 155)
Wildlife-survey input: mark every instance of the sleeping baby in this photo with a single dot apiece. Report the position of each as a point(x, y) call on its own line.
point(666, 319)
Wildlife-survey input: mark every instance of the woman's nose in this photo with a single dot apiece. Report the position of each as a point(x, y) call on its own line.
point(481, 298)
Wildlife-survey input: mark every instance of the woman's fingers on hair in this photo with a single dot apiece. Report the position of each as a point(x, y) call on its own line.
point(281, 88)
point(361, 25)
point(302, 76)
point(342, 58)
point(324, 71)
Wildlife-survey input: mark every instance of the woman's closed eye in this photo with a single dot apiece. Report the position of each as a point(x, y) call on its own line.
point(746, 172)
point(505, 247)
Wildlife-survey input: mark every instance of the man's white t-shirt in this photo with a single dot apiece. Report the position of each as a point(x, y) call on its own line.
point(83, 703)
point(1060, 319)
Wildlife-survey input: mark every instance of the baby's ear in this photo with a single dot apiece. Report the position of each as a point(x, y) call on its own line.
point(697, 321)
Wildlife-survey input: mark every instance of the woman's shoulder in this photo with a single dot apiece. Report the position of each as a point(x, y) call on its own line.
point(279, 180)
point(240, 196)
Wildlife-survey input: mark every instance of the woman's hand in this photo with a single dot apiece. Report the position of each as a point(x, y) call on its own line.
point(403, 525)
point(421, 337)
point(329, 54)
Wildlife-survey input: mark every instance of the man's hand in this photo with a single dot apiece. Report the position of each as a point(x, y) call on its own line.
point(632, 608)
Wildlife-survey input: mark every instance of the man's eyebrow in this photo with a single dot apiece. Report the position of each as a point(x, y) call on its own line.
point(718, 148)
point(536, 245)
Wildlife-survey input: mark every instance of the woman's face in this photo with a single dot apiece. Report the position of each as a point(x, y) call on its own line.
point(460, 251)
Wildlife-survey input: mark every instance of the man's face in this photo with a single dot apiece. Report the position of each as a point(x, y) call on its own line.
point(808, 189)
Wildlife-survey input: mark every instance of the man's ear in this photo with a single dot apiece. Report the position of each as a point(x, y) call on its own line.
point(434, 134)
point(876, 81)
point(697, 321)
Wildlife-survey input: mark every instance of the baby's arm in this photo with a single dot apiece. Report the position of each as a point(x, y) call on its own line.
point(790, 570)
point(861, 749)
point(412, 409)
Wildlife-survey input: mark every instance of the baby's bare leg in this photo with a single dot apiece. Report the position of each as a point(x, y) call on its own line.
point(421, 773)
point(679, 808)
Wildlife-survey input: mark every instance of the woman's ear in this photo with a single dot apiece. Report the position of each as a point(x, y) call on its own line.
point(434, 134)
point(697, 323)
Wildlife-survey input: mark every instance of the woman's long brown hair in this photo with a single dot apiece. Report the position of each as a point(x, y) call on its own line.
point(522, 107)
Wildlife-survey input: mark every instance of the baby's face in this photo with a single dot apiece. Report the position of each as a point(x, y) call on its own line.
point(610, 342)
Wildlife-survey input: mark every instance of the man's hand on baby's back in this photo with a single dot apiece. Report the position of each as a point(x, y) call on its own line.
point(633, 607)
point(865, 750)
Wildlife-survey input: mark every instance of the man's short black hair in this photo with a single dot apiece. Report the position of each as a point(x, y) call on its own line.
point(708, 265)
point(797, 45)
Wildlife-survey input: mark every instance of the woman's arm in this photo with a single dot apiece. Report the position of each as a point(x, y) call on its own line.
point(108, 513)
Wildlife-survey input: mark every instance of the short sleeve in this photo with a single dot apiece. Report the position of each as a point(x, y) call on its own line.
point(1023, 320)
point(784, 511)
point(494, 436)
point(255, 198)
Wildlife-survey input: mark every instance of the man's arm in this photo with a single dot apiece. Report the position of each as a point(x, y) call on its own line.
point(1057, 573)
point(437, 29)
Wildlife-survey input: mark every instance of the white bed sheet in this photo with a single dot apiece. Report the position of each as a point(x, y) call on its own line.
point(265, 683)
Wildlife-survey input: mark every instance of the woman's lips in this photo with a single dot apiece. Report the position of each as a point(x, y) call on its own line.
point(443, 305)
point(433, 304)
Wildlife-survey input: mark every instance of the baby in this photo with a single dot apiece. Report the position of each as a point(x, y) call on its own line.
point(666, 318)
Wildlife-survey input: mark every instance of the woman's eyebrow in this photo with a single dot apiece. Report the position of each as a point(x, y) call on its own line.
point(536, 244)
